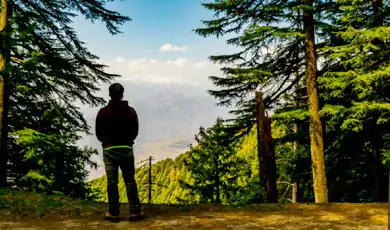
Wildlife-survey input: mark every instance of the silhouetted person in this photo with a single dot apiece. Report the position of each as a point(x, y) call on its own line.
point(117, 128)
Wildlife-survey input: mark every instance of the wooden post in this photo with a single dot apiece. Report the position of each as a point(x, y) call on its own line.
point(294, 193)
point(150, 182)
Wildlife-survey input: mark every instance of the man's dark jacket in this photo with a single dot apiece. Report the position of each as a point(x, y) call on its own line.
point(117, 124)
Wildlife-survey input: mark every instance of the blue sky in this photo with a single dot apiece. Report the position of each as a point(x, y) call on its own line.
point(135, 54)
point(154, 23)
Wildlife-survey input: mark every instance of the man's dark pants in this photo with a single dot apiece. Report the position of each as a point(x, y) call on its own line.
point(123, 158)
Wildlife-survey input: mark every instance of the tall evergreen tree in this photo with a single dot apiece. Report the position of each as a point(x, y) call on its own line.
point(214, 167)
point(50, 62)
point(45, 156)
point(356, 88)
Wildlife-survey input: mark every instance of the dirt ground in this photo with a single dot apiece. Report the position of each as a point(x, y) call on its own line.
point(289, 216)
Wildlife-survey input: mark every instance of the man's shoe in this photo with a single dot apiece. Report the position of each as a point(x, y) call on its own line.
point(136, 216)
point(112, 218)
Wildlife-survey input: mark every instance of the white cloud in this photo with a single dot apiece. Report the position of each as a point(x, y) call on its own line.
point(120, 59)
point(176, 71)
point(172, 48)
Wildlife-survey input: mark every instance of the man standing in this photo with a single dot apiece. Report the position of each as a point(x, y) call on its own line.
point(117, 128)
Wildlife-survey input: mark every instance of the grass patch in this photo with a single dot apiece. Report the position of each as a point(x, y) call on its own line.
point(19, 204)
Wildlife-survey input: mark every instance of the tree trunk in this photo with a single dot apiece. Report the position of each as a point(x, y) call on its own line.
point(59, 172)
point(272, 195)
point(5, 12)
point(377, 6)
point(217, 181)
point(265, 152)
point(150, 182)
point(388, 203)
point(377, 171)
point(316, 133)
point(378, 19)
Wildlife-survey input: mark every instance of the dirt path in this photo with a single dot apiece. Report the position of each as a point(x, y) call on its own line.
point(310, 217)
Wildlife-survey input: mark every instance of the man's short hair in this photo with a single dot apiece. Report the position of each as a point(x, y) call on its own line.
point(116, 91)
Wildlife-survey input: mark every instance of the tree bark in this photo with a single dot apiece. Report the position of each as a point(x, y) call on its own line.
point(5, 13)
point(388, 204)
point(269, 145)
point(377, 6)
point(266, 153)
point(217, 181)
point(150, 182)
point(378, 19)
point(316, 133)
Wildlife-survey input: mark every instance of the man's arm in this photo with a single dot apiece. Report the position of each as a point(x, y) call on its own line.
point(100, 126)
point(134, 125)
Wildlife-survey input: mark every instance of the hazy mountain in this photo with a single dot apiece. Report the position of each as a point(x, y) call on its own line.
point(169, 117)
point(172, 114)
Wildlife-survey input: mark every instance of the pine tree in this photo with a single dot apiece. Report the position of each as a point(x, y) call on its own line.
point(51, 163)
point(214, 167)
point(356, 87)
point(48, 59)
point(45, 156)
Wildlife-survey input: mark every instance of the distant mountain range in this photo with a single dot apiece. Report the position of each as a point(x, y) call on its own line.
point(169, 117)
point(172, 114)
